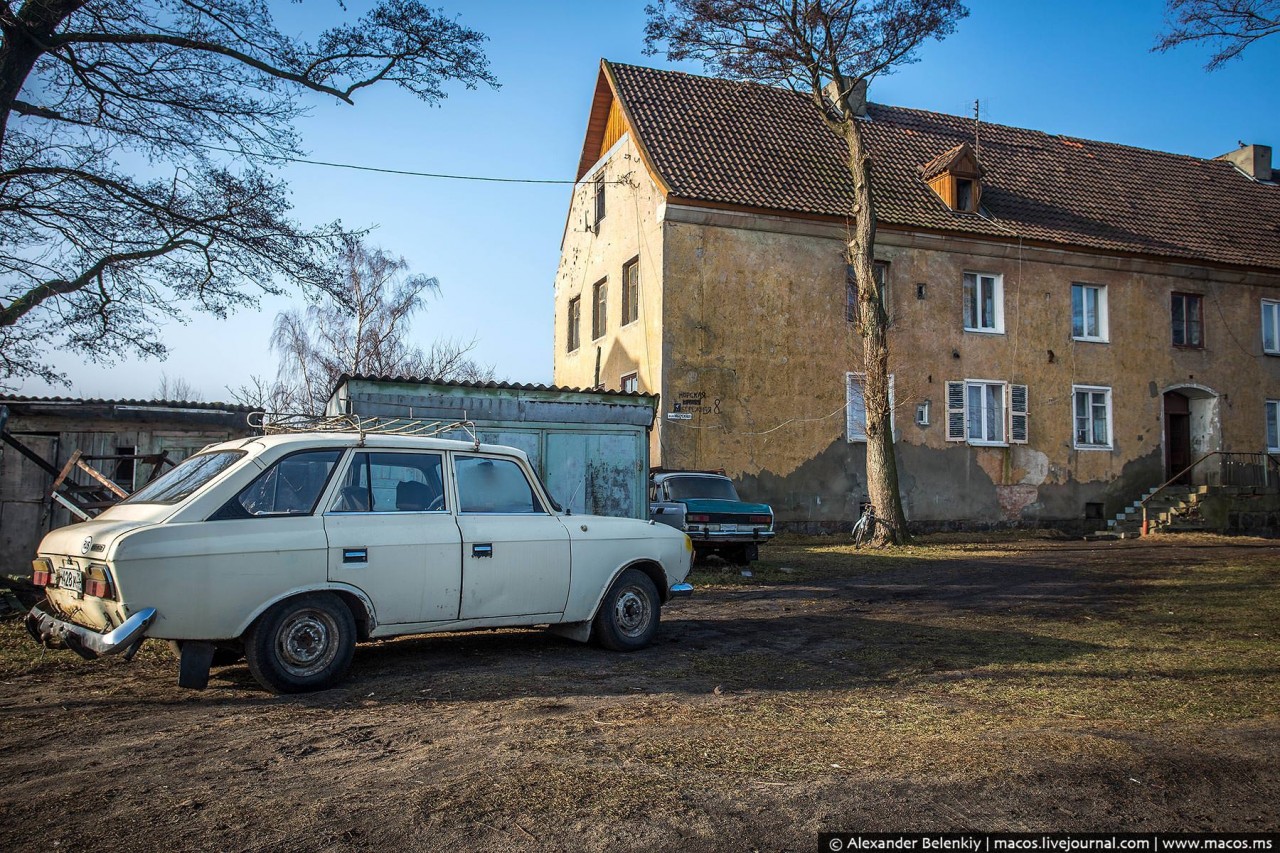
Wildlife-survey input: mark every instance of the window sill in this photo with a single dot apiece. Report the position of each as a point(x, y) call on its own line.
point(1106, 447)
point(1085, 340)
point(1275, 352)
point(1189, 346)
point(972, 443)
point(983, 331)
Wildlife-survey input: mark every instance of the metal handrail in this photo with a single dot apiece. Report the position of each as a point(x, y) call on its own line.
point(1270, 463)
point(277, 423)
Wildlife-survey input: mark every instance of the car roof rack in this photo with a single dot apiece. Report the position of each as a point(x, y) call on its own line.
point(280, 423)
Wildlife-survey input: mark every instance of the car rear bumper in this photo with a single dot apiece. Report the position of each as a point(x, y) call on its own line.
point(49, 628)
point(716, 537)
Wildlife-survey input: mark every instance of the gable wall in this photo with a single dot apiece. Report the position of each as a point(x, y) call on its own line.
point(629, 230)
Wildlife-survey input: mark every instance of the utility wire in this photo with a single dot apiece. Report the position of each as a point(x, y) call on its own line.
point(285, 159)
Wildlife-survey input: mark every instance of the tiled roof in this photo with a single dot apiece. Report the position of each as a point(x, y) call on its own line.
point(748, 145)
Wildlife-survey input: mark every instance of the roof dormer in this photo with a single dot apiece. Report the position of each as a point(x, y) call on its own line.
point(956, 176)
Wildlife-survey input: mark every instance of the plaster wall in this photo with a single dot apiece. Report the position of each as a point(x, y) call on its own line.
point(756, 347)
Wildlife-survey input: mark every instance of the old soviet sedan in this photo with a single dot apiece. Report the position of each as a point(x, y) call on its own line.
point(289, 549)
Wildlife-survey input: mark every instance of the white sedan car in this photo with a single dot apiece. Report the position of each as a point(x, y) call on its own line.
point(288, 549)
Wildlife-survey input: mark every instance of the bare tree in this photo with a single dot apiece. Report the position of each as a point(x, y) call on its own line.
point(829, 50)
point(362, 328)
point(1229, 26)
point(198, 96)
point(177, 388)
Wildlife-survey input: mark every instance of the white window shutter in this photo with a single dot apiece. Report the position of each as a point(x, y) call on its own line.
point(955, 411)
point(1017, 414)
point(855, 407)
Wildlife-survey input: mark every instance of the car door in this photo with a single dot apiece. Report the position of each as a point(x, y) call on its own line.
point(391, 533)
point(515, 554)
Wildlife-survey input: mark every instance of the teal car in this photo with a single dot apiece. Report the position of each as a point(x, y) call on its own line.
point(707, 508)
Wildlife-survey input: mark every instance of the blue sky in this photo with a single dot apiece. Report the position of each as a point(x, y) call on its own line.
point(1080, 69)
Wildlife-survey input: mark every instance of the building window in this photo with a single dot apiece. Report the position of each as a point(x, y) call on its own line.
point(964, 194)
point(631, 291)
point(575, 315)
point(880, 271)
point(599, 303)
point(598, 187)
point(986, 412)
point(1273, 426)
point(1270, 327)
point(1188, 320)
point(630, 383)
point(122, 475)
point(1092, 417)
point(855, 399)
point(1088, 312)
point(983, 302)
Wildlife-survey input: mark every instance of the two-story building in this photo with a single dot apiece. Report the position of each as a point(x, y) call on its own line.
point(1073, 321)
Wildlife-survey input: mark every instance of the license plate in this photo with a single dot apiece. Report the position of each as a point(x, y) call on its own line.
point(71, 580)
point(728, 528)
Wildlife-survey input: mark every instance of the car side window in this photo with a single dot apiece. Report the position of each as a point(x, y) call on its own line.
point(494, 485)
point(392, 482)
point(292, 486)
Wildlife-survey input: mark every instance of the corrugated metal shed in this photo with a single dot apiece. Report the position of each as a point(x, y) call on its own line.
point(591, 448)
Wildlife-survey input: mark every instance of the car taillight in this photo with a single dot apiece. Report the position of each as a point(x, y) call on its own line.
point(98, 587)
point(761, 519)
point(697, 518)
point(41, 571)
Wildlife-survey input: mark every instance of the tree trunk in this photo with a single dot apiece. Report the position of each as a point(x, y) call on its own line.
point(21, 33)
point(872, 327)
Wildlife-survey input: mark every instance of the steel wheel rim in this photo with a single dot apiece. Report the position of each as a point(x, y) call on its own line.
point(307, 642)
point(632, 612)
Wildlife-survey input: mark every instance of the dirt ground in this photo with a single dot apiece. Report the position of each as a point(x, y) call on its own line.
point(1013, 685)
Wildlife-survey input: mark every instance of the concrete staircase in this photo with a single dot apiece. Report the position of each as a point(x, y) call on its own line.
point(1175, 509)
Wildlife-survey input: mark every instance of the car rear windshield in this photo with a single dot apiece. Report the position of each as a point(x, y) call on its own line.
point(714, 488)
point(183, 481)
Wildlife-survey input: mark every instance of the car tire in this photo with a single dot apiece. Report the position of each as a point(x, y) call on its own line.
point(629, 614)
point(302, 644)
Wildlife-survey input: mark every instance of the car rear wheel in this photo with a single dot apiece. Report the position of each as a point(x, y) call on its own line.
point(628, 617)
point(302, 644)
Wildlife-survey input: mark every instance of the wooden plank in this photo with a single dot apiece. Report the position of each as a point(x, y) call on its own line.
point(64, 473)
point(25, 451)
point(100, 478)
point(20, 536)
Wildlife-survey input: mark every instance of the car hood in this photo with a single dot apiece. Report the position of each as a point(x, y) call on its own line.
point(708, 505)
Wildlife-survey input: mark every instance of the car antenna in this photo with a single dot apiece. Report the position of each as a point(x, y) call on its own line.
point(568, 507)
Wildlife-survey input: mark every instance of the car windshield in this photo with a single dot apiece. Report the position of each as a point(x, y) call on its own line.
point(183, 481)
point(714, 488)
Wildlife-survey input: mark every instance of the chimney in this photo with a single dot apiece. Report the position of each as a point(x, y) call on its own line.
point(857, 98)
point(1253, 160)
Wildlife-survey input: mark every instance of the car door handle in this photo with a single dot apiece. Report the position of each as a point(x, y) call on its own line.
point(355, 555)
point(482, 550)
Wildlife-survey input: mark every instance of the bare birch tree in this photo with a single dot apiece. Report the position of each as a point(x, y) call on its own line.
point(362, 328)
point(830, 50)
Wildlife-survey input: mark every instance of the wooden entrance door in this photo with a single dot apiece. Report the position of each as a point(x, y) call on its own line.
point(1177, 435)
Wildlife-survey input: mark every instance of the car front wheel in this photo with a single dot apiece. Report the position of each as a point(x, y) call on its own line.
point(628, 616)
point(302, 644)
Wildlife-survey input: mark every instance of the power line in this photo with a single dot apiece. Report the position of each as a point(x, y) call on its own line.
point(285, 159)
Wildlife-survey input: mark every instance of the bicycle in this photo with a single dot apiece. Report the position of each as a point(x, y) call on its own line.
point(864, 528)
